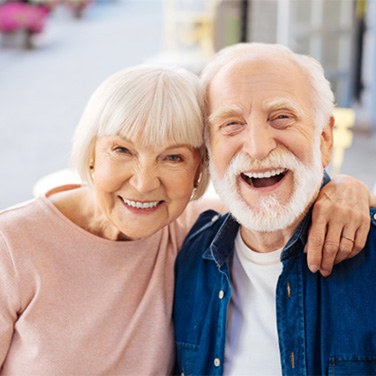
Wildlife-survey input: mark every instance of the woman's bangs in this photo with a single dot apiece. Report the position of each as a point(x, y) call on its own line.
point(163, 119)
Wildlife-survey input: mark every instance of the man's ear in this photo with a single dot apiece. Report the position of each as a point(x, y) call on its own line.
point(326, 142)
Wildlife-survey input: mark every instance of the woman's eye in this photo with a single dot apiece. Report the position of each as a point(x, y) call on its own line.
point(121, 150)
point(174, 158)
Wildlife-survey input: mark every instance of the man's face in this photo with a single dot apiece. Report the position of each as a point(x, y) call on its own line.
point(266, 157)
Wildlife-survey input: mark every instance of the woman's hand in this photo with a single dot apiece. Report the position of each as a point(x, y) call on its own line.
point(340, 223)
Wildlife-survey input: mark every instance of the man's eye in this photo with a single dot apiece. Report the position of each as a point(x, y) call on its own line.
point(283, 116)
point(231, 123)
point(282, 120)
point(231, 126)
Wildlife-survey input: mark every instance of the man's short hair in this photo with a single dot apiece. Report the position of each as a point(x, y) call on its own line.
point(322, 95)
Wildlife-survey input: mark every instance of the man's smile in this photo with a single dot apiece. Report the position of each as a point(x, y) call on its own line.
point(265, 178)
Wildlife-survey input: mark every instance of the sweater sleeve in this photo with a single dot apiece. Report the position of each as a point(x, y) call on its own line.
point(9, 299)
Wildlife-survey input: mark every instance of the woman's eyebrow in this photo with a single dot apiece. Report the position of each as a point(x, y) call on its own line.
point(179, 146)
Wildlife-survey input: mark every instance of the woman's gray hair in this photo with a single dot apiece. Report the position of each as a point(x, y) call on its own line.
point(148, 103)
point(322, 95)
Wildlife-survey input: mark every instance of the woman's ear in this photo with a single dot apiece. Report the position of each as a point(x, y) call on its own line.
point(326, 142)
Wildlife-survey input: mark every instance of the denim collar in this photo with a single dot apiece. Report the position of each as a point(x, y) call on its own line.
point(222, 246)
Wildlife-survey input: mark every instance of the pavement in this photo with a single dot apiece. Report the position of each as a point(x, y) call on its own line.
point(43, 91)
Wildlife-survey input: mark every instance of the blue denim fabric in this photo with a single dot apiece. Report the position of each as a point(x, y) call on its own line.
point(325, 325)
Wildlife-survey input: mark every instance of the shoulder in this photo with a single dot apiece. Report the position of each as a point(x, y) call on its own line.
point(18, 212)
point(23, 223)
point(196, 207)
point(201, 235)
point(16, 224)
point(207, 223)
point(360, 267)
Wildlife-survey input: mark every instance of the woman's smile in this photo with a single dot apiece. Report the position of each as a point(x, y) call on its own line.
point(141, 188)
point(141, 207)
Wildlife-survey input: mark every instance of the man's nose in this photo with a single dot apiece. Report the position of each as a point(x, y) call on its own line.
point(145, 178)
point(259, 141)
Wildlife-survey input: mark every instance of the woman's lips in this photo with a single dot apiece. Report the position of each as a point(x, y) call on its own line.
point(141, 206)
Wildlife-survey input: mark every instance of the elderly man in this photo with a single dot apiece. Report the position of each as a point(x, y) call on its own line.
point(245, 300)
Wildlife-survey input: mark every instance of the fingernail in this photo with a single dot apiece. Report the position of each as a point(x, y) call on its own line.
point(325, 273)
point(313, 268)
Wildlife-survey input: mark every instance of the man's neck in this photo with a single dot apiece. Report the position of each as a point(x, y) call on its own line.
point(266, 241)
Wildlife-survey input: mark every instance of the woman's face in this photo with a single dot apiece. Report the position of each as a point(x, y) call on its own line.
point(140, 188)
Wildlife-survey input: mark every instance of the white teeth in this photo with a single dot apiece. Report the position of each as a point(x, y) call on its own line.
point(266, 174)
point(141, 205)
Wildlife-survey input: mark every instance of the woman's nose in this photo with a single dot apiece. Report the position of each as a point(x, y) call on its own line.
point(145, 179)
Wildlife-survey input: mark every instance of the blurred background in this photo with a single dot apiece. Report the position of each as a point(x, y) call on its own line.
point(54, 53)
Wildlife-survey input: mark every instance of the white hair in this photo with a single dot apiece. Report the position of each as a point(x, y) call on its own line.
point(322, 95)
point(149, 103)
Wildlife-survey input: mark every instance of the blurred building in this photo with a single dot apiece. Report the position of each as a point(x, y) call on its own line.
point(341, 34)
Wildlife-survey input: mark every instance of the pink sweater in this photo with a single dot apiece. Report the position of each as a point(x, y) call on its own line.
point(72, 303)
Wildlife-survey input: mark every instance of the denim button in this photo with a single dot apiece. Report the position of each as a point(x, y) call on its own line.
point(374, 216)
point(217, 362)
point(215, 218)
point(288, 289)
point(221, 294)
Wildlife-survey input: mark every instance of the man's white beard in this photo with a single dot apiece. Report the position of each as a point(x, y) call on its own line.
point(270, 214)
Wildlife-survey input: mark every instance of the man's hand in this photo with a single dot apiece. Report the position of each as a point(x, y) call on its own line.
point(340, 223)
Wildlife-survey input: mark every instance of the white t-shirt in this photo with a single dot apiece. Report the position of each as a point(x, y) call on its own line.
point(252, 340)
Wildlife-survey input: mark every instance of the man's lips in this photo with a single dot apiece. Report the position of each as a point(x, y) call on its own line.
point(264, 179)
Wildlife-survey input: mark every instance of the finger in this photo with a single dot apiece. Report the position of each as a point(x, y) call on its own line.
point(346, 247)
point(346, 242)
point(314, 246)
point(331, 248)
point(354, 235)
point(360, 239)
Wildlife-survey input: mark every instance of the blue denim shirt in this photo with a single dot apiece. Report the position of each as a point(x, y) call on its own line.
point(325, 325)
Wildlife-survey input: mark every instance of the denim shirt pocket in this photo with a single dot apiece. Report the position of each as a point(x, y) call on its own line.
point(187, 355)
point(352, 365)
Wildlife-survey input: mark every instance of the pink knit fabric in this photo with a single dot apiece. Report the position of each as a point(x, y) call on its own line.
point(72, 303)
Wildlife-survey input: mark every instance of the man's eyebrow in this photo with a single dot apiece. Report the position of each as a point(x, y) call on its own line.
point(224, 112)
point(284, 104)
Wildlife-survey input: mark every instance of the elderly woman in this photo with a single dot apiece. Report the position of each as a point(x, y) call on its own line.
point(86, 272)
